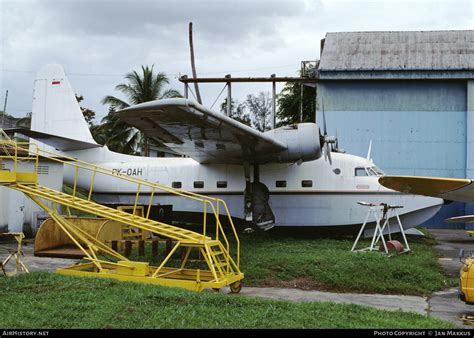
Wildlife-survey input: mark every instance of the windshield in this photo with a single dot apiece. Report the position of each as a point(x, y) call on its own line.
point(377, 170)
point(368, 171)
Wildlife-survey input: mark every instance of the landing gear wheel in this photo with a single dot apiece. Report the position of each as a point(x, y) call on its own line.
point(216, 290)
point(235, 287)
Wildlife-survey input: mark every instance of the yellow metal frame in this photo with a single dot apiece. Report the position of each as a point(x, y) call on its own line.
point(129, 232)
point(223, 267)
point(19, 265)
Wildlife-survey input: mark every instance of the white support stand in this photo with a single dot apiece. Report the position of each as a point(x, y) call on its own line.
point(382, 213)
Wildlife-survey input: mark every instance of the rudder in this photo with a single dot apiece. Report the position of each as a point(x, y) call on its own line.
point(55, 108)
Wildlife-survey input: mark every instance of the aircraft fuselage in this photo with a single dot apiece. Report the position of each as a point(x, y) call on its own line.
point(313, 193)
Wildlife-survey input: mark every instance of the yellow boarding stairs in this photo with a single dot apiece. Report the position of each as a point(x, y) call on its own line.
point(19, 171)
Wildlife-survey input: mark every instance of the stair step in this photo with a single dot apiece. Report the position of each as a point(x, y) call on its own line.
point(221, 264)
point(71, 201)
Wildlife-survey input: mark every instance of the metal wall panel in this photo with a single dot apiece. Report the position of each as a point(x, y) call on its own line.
point(416, 128)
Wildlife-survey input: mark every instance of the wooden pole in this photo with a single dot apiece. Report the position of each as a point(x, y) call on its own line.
point(4, 109)
point(273, 102)
point(229, 96)
point(193, 65)
point(301, 103)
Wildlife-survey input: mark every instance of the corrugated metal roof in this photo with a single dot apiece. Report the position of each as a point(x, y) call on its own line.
point(421, 50)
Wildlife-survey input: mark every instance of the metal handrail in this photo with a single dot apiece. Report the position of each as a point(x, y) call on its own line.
point(79, 164)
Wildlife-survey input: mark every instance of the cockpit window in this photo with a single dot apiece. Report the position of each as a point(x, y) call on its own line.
point(374, 171)
point(378, 171)
point(360, 172)
point(371, 172)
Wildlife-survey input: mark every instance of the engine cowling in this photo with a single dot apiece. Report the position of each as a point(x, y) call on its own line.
point(302, 141)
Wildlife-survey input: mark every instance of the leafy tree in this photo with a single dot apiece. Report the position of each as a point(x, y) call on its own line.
point(117, 135)
point(260, 110)
point(147, 86)
point(255, 112)
point(237, 111)
point(289, 103)
point(89, 115)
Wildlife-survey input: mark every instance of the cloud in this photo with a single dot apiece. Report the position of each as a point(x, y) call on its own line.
point(108, 38)
point(220, 20)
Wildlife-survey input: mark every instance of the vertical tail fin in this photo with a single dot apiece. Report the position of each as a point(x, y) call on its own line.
point(55, 108)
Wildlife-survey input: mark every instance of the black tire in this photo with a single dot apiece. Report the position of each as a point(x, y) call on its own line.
point(235, 287)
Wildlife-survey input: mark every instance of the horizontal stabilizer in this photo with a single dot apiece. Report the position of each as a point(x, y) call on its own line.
point(58, 142)
point(453, 189)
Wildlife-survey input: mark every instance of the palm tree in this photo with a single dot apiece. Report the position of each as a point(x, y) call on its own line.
point(117, 135)
point(144, 87)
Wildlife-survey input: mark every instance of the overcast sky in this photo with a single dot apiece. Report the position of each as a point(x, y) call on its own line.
point(98, 41)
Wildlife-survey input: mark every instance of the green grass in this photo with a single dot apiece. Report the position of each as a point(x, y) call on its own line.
point(306, 261)
point(47, 300)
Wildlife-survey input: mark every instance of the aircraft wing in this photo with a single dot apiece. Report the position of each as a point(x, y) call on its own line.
point(453, 189)
point(188, 128)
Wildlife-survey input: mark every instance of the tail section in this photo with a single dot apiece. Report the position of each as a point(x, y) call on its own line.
point(55, 108)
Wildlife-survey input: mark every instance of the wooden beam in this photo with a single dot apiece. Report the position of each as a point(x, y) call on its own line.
point(186, 79)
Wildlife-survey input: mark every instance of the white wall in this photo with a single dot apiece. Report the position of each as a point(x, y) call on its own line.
point(16, 209)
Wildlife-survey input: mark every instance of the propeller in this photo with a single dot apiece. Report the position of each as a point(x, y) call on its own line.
point(326, 140)
point(335, 147)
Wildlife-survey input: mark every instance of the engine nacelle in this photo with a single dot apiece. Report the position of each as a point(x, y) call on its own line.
point(302, 141)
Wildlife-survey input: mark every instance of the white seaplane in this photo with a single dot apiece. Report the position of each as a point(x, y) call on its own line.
point(275, 178)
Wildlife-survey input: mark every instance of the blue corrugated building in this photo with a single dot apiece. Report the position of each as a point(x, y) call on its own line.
point(411, 93)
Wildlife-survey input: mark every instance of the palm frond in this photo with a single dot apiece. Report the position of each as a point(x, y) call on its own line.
point(169, 93)
point(144, 87)
point(115, 102)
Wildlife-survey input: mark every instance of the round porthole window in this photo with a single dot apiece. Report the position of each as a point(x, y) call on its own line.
point(337, 171)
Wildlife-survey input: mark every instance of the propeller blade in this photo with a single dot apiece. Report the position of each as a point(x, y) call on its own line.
point(327, 153)
point(327, 142)
point(329, 158)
